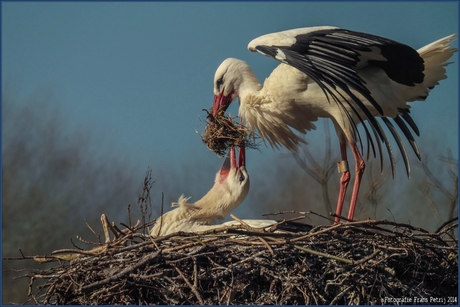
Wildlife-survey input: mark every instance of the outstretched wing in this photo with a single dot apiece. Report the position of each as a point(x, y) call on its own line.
point(332, 57)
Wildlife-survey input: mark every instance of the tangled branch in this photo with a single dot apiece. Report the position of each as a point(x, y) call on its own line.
point(221, 132)
point(348, 263)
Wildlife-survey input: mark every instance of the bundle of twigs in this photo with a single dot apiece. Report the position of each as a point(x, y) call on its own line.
point(221, 132)
point(367, 262)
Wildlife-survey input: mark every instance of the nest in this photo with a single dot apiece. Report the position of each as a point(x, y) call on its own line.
point(367, 262)
point(221, 132)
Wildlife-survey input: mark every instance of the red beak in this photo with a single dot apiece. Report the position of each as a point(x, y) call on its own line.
point(230, 160)
point(220, 102)
point(242, 157)
point(227, 164)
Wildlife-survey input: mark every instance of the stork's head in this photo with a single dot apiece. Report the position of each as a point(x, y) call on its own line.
point(227, 81)
point(232, 180)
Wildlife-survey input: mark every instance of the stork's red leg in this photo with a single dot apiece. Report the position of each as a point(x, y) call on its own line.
point(344, 179)
point(359, 170)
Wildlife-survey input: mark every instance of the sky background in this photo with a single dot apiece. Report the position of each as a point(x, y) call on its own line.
point(137, 75)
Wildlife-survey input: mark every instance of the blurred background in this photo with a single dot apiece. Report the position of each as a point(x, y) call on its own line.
point(95, 94)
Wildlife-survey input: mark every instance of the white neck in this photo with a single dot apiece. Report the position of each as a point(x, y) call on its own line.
point(249, 85)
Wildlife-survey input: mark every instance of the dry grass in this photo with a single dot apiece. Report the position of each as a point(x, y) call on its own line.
point(221, 132)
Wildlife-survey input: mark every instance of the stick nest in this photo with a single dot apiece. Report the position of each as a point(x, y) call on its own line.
point(368, 262)
point(221, 132)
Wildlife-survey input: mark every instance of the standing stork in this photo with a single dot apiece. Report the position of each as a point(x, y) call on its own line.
point(231, 186)
point(347, 76)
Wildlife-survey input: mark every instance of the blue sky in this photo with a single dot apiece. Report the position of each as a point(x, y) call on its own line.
point(137, 75)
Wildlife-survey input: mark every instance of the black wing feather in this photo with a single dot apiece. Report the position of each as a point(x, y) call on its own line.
point(408, 135)
point(332, 58)
point(398, 140)
point(406, 116)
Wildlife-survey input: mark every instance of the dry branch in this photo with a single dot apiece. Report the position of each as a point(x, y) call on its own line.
point(348, 263)
point(221, 132)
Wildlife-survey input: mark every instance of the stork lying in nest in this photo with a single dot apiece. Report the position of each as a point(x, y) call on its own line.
point(230, 189)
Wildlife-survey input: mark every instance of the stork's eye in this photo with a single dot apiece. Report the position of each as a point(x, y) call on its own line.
point(241, 179)
point(219, 82)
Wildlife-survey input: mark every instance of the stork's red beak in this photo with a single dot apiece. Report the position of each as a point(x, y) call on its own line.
point(242, 157)
point(220, 102)
point(230, 160)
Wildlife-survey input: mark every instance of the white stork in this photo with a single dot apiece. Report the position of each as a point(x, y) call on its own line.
point(230, 188)
point(347, 76)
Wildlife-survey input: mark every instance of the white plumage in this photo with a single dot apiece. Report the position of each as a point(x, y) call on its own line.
point(349, 77)
point(230, 188)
